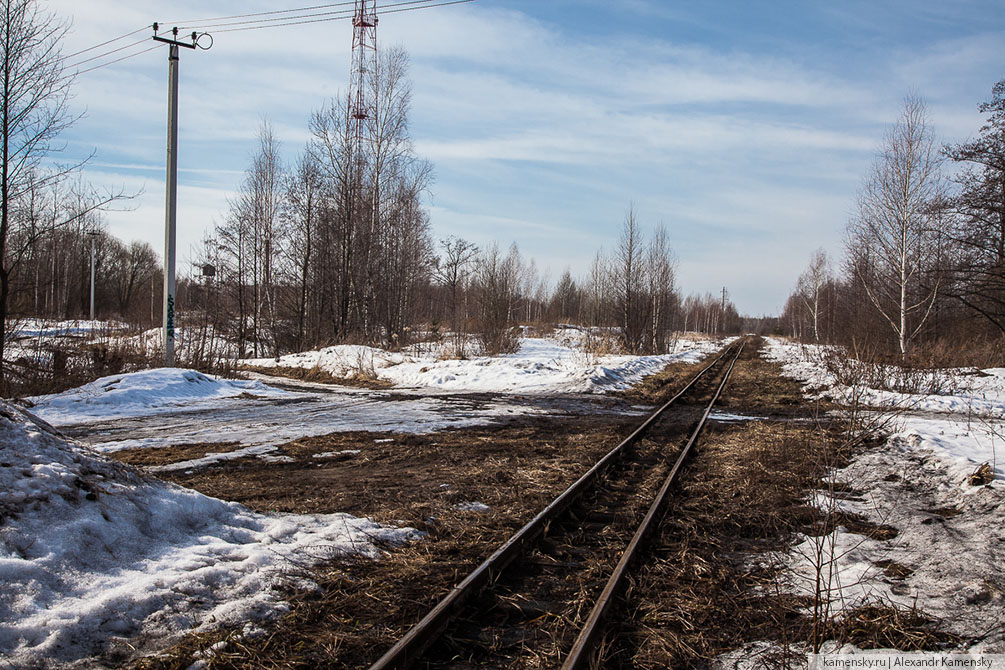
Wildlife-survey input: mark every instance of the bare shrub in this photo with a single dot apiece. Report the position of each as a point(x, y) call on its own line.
point(871, 371)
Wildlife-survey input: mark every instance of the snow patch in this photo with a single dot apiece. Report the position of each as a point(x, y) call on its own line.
point(542, 365)
point(155, 391)
point(92, 550)
point(963, 426)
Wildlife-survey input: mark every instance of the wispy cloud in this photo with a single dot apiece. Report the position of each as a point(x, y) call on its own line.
point(744, 128)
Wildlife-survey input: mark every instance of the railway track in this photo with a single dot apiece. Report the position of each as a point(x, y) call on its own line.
point(537, 594)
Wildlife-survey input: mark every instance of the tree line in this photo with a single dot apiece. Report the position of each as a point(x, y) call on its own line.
point(923, 267)
point(337, 248)
point(333, 248)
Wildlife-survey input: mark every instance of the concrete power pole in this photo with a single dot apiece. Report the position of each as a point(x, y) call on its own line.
point(92, 234)
point(171, 204)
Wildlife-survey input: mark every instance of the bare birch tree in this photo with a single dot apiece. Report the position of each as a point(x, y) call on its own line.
point(892, 240)
point(810, 287)
point(629, 260)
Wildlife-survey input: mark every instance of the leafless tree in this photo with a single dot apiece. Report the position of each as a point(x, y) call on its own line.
point(629, 259)
point(810, 287)
point(891, 242)
point(566, 299)
point(496, 285)
point(130, 267)
point(301, 215)
point(660, 269)
point(34, 91)
point(452, 270)
point(978, 206)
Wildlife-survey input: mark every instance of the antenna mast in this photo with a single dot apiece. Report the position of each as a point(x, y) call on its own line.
point(364, 64)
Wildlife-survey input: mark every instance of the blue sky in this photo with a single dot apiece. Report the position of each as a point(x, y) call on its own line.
point(744, 127)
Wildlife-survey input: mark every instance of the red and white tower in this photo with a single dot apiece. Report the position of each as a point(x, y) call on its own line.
point(364, 65)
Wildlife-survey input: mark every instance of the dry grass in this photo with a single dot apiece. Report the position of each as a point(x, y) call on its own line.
point(714, 585)
point(711, 588)
point(359, 379)
point(882, 626)
point(656, 389)
point(146, 456)
point(361, 607)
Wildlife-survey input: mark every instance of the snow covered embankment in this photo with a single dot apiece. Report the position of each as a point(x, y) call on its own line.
point(542, 365)
point(949, 542)
point(91, 551)
point(962, 426)
point(142, 393)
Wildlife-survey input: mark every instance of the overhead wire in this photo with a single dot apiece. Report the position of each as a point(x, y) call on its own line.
point(299, 19)
point(199, 22)
point(284, 18)
point(105, 43)
point(343, 14)
point(107, 53)
point(308, 18)
point(117, 60)
point(438, 4)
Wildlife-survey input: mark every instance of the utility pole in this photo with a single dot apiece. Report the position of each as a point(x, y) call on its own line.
point(171, 204)
point(92, 234)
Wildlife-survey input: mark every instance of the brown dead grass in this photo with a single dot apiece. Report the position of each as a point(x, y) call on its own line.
point(742, 497)
point(362, 607)
point(146, 456)
point(658, 388)
point(359, 379)
point(409, 477)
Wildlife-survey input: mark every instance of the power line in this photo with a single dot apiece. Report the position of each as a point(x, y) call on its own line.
point(98, 46)
point(283, 21)
point(439, 4)
point(74, 73)
point(289, 21)
point(117, 60)
point(344, 12)
point(107, 53)
point(194, 23)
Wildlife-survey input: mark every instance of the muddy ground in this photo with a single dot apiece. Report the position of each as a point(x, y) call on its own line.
point(746, 496)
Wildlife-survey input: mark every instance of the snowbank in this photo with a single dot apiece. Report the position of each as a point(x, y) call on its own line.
point(950, 538)
point(962, 426)
point(91, 551)
point(542, 365)
point(143, 393)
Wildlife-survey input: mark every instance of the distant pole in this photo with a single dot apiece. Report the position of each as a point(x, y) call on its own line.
point(92, 234)
point(171, 204)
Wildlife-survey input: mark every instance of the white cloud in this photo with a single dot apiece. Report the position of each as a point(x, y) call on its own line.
point(543, 131)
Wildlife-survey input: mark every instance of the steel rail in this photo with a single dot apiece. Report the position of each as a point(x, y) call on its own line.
point(580, 656)
point(421, 635)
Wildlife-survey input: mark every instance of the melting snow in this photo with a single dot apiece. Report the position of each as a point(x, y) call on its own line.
point(951, 536)
point(962, 427)
point(542, 365)
point(142, 393)
point(92, 551)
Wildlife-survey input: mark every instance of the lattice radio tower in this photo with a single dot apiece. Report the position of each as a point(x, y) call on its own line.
point(364, 64)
